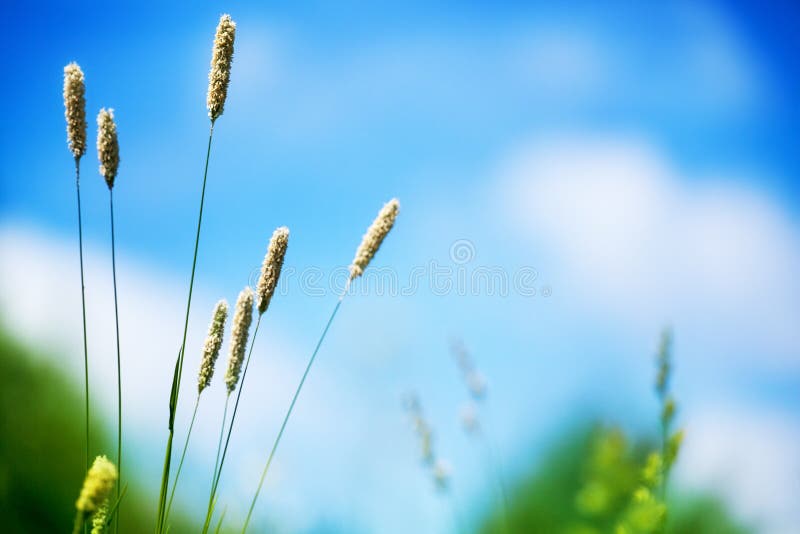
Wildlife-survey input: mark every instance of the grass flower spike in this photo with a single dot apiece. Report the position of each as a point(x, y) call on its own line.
point(107, 145)
point(271, 270)
point(212, 345)
point(96, 490)
point(99, 519)
point(75, 109)
point(441, 474)
point(75, 114)
point(374, 237)
point(366, 251)
point(241, 327)
point(98, 485)
point(218, 80)
point(270, 273)
point(221, 59)
point(211, 349)
point(108, 154)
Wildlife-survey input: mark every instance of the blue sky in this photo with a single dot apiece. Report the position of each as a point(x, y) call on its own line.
point(641, 159)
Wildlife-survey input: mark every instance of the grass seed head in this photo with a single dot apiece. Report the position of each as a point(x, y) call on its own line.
point(271, 269)
point(239, 333)
point(75, 109)
point(107, 145)
point(374, 237)
point(220, 74)
point(99, 519)
point(469, 418)
point(664, 362)
point(441, 474)
point(97, 486)
point(212, 345)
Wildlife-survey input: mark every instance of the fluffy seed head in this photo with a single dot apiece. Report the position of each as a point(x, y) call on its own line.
point(271, 269)
point(75, 109)
point(422, 429)
point(107, 145)
point(663, 360)
point(239, 333)
point(212, 345)
point(220, 74)
point(441, 474)
point(374, 237)
point(98, 485)
point(469, 418)
point(99, 519)
point(475, 381)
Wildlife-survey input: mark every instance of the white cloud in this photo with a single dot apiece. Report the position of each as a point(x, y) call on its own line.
point(640, 242)
point(40, 304)
point(748, 457)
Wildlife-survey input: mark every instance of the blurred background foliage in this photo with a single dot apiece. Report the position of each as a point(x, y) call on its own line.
point(42, 450)
point(585, 483)
point(582, 486)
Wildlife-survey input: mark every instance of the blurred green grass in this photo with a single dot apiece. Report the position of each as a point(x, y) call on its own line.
point(42, 469)
point(584, 484)
point(42, 450)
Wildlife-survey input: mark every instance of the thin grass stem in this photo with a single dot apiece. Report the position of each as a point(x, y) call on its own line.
point(168, 453)
point(175, 390)
point(80, 520)
point(664, 445)
point(83, 307)
point(458, 521)
point(210, 511)
point(291, 406)
point(119, 364)
point(180, 464)
point(219, 443)
point(219, 523)
point(496, 473)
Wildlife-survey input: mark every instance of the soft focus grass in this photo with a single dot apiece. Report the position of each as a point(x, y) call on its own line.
point(42, 450)
point(42, 468)
point(552, 497)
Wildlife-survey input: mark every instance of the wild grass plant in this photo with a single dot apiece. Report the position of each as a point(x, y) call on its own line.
point(618, 492)
point(75, 114)
point(474, 425)
point(95, 505)
point(437, 468)
point(617, 489)
point(218, 80)
point(108, 154)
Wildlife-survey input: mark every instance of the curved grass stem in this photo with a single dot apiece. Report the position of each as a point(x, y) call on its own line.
point(218, 472)
point(180, 464)
point(119, 364)
point(496, 473)
point(83, 307)
point(291, 406)
point(176, 379)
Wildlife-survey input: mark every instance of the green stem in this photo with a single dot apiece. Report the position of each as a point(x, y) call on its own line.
point(168, 455)
point(119, 364)
point(664, 445)
point(457, 521)
point(80, 519)
point(230, 428)
point(176, 379)
point(219, 443)
point(164, 484)
point(496, 473)
point(219, 523)
point(83, 307)
point(291, 406)
point(180, 464)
